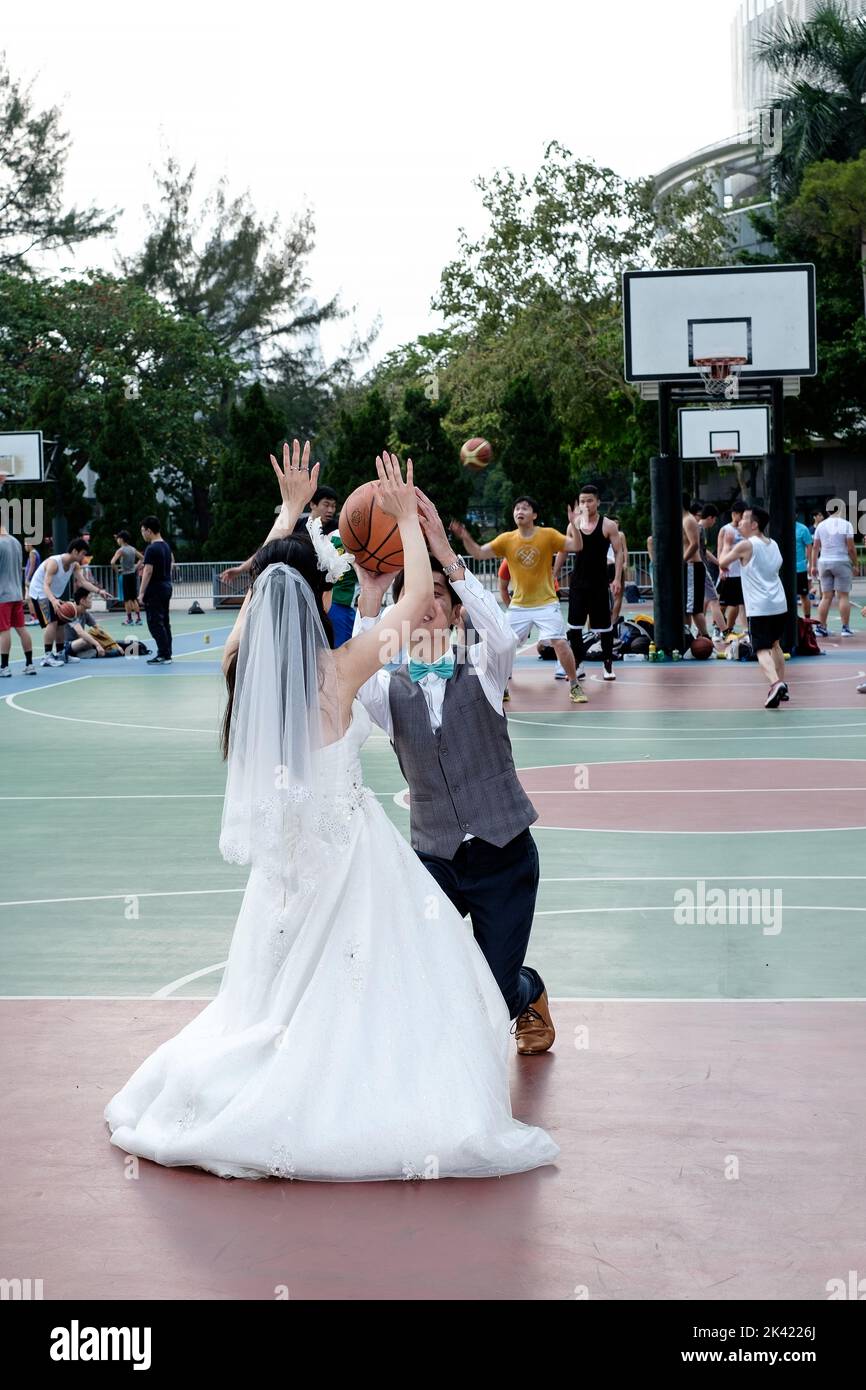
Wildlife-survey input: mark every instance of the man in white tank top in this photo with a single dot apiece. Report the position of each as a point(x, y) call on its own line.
point(764, 597)
point(48, 588)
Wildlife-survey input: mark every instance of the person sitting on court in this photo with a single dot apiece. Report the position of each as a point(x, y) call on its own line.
point(47, 588)
point(91, 640)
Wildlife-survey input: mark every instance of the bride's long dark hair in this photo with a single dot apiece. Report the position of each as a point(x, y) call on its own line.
point(287, 550)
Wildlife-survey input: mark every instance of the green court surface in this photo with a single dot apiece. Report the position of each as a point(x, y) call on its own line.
point(111, 797)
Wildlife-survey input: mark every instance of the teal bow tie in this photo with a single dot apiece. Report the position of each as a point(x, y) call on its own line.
point(444, 667)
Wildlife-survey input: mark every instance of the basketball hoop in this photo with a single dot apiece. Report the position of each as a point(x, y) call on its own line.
point(720, 375)
point(725, 456)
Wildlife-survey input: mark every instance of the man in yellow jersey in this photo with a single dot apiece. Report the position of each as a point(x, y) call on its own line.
point(530, 551)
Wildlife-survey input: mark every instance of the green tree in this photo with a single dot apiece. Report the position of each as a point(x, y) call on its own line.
point(71, 349)
point(419, 435)
point(361, 431)
point(124, 488)
point(246, 490)
point(243, 278)
point(530, 450)
point(820, 64)
point(831, 208)
point(33, 153)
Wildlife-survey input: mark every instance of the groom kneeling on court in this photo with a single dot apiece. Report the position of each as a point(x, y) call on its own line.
point(470, 817)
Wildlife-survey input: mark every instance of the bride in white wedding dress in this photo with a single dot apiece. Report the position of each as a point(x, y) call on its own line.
point(358, 1033)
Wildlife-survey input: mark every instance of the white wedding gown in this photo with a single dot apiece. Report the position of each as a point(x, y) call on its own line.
point(358, 1034)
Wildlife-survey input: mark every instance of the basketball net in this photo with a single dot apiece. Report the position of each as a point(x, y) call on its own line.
point(720, 376)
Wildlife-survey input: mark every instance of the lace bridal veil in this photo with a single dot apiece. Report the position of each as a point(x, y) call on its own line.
point(285, 769)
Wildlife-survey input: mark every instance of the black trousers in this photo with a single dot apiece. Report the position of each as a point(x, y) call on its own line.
point(496, 888)
point(156, 607)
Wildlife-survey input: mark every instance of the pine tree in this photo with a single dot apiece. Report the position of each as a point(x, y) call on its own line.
point(530, 450)
point(359, 435)
point(436, 464)
point(246, 489)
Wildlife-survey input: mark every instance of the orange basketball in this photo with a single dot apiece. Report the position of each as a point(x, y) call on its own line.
point(702, 648)
point(476, 454)
point(371, 536)
point(66, 610)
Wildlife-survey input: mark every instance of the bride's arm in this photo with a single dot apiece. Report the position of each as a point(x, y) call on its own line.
point(297, 485)
point(361, 657)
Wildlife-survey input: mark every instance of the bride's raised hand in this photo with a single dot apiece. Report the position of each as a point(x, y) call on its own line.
point(396, 497)
point(297, 482)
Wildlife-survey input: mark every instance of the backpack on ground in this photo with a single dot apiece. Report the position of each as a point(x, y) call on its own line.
point(807, 642)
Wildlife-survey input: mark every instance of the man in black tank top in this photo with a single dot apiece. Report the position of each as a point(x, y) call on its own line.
point(588, 593)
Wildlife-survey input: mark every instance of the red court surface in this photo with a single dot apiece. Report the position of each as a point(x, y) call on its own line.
point(750, 794)
point(721, 685)
point(690, 1135)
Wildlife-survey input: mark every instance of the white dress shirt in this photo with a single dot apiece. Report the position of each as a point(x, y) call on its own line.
point(491, 657)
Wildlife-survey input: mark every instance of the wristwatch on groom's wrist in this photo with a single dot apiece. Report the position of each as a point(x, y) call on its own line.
point(450, 570)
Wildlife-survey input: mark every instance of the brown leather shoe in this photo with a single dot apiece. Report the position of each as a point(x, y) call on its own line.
point(535, 1031)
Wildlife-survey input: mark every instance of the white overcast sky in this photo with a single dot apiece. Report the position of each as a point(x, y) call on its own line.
point(376, 115)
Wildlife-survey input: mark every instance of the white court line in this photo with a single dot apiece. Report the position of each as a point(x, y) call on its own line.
point(185, 979)
point(104, 723)
point(669, 907)
point(615, 830)
point(686, 729)
point(681, 791)
point(121, 897)
point(139, 796)
point(705, 737)
point(123, 796)
point(656, 999)
point(711, 878)
point(554, 998)
point(589, 878)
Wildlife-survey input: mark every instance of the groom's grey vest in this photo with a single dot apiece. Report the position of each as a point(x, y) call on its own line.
point(461, 777)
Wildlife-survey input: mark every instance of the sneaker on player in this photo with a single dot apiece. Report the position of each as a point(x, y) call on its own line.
point(30, 670)
point(845, 631)
point(821, 630)
point(861, 689)
point(159, 661)
point(775, 695)
point(577, 696)
point(4, 671)
point(51, 660)
point(608, 675)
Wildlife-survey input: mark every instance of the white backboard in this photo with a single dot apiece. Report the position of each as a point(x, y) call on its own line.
point(743, 428)
point(21, 456)
point(764, 313)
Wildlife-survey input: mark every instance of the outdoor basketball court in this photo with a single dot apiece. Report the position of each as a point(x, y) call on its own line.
point(706, 1086)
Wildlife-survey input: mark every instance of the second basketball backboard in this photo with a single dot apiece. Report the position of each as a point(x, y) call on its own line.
point(741, 430)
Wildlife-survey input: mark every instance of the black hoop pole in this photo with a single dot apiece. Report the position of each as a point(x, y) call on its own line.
point(666, 486)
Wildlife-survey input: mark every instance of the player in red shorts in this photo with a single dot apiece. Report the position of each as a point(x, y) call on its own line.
point(11, 607)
